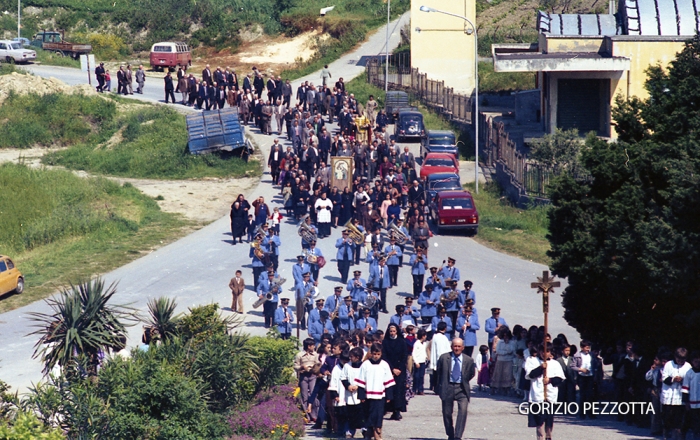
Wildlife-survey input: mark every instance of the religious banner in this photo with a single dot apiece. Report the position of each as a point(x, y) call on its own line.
point(341, 172)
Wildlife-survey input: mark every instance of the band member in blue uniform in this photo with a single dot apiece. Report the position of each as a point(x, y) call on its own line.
point(448, 273)
point(312, 256)
point(419, 265)
point(356, 287)
point(442, 317)
point(344, 255)
point(379, 279)
point(332, 302)
point(393, 252)
point(284, 318)
point(347, 315)
point(467, 325)
point(366, 323)
point(467, 294)
point(270, 306)
point(323, 326)
point(304, 301)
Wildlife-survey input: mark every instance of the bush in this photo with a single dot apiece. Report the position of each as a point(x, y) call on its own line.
point(105, 46)
point(26, 426)
point(274, 358)
point(273, 412)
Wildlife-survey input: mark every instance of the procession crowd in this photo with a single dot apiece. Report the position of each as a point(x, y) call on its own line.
point(351, 373)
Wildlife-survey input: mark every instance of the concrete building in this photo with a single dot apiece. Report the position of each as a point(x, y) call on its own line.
point(584, 61)
point(441, 46)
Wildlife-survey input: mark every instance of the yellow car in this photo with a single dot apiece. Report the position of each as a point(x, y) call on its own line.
point(11, 280)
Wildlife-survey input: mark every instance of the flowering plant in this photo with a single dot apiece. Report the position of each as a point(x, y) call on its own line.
point(274, 415)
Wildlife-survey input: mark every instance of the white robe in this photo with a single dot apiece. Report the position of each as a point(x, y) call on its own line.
point(324, 215)
point(439, 346)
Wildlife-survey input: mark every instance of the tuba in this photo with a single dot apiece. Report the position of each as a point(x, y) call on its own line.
point(357, 236)
point(274, 289)
point(306, 232)
point(312, 259)
point(313, 295)
point(397, 233)
point(450, 297)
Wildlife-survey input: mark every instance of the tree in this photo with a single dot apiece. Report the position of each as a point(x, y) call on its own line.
point(82, 326)
point(162, 317)
point(627, 236)
point(559, 151)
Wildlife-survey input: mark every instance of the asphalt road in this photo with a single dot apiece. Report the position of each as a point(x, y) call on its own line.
point(196, 269)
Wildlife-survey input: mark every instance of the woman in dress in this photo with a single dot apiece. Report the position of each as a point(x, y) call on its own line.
point(395, 353)
point(238, 221)
point(502, 378)
point(386, 203)
point(336, 198)
point(346, 199)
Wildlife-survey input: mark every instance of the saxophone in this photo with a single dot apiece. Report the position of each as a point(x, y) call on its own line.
point(334, 313)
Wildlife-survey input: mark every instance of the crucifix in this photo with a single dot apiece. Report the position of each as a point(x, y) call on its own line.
point(545, 285)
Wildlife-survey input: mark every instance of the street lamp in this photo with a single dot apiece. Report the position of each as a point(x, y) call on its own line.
point(475, 117)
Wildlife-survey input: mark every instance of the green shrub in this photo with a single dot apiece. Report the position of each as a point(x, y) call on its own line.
point(274, 357)
point(26, 426)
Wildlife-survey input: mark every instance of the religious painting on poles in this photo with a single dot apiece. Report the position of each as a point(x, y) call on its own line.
point(341, 172)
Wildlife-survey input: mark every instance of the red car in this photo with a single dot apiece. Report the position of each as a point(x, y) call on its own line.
point(438, 163)
point(455, 210)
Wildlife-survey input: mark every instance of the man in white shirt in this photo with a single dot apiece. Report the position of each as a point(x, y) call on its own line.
point(439, 345)
point(542, 371)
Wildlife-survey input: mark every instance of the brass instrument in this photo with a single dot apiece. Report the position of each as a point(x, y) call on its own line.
point(306, 232)
point(274, 289)
point(312, 259)
point(397, 233)
point(357, 236)
point(370, 301)
point(258, 250)
point(450, 297)
point(334, 313)
point(311, 296)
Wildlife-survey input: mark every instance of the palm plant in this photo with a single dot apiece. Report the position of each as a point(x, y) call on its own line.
point(82, 325)
point(162, 317)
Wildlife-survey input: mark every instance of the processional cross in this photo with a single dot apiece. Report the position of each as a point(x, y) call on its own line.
point(545, 285)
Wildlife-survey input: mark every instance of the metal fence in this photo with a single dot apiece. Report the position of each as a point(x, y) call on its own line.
point(499, 149)
point(432, 93)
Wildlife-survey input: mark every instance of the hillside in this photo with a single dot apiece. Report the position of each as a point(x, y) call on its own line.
point(121, 28)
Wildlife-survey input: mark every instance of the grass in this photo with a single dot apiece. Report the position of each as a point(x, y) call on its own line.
point(50, 120)
point(490, 81)
point(511, 230)
point(144, 141)
point(6, 68)
point(61, 228)
point(50, 58)
point(148, 142)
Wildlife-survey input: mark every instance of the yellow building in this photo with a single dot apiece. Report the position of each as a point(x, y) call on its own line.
point(441, 45)
point(584, 61)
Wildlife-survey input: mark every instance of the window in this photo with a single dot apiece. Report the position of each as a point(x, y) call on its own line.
point(443, 184)
point(10, 264)
point(3, 266)
point(3, 46)
point(457, 204)
point(442, 140)
point(162, 49)
point(439, 163)
point(16, 46)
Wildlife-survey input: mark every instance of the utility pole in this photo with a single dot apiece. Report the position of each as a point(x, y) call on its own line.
point(386, 72)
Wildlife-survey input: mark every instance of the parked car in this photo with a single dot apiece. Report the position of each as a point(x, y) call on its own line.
point(170, 55)
point(439, 141)
point(455, 210)
point(409, 125)
point(13, 52)
point(438, 182)
point(25, 41)
point(438, 163)
point(393, 102)
point(11, 279)
point(53, 41)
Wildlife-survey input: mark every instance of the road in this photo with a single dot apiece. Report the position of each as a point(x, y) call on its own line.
point(196, 269)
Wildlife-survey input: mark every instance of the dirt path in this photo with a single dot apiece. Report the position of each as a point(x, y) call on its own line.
point(202, 200)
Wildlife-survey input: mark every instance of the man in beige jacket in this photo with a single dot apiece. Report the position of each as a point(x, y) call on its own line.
point(237, 286)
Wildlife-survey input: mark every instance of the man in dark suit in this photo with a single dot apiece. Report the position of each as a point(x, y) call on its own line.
point(206, 75)
point(454, 371)
point(258, 84)
point(246, 84)
point(271, 88)
point(301, 94)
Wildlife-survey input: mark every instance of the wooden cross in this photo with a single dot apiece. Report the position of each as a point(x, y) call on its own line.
point(545, 285)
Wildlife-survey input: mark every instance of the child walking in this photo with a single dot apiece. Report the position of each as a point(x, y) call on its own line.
point(482, 362)
point(353, 408)
point(374, 380)
point(338, 394)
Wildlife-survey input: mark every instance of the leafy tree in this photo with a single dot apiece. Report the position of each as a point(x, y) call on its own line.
point(82, 326)
point(627, 236)
point(26, 426)
point(559, 151)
